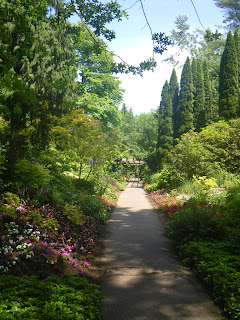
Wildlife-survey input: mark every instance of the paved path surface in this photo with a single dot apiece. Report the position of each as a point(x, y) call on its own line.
point(144, 281)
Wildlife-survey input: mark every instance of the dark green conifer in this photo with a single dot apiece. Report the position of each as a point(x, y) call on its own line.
point(208, 109)
point(199, 99)
point(174, 94)
point(165, 130)
point(185, 114)
point(194, 76)
point(237, 45)
point(228, 81)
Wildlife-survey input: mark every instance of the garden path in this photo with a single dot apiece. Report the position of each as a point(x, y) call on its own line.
point(144, 281)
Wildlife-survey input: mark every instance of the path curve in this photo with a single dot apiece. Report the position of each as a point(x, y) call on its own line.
point(144, 281)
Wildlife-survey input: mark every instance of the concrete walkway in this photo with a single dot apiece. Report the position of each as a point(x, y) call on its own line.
point(144, 281)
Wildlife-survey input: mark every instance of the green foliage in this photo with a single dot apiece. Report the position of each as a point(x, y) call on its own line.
point(30, 175)
point(199, 99)
point(174, 94)
point(193, 222)
point(165, 126)
point(231, 9)
point(70, 297)
point(159, 180)
point(138, 133)
point(221, 139)
point(74, 214)
point(204, 183)
point(228, 81)
point(208, 107)
point(190, 157)
point(232, 209)
point(9, 202)
point(226, 179)
point(50, 224)
point(216, 263)
point(151, 187)
point(89, 204)
point(185, 111)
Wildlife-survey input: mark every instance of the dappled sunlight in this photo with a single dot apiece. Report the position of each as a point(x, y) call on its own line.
point(143, 278)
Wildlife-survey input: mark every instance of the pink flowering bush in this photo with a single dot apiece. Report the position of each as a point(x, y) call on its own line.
point(42, 241)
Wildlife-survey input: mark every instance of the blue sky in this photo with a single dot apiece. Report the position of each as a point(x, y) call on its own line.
point(133, 43)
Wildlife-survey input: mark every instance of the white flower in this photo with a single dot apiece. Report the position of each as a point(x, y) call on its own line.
point(28, 256)
point(16, 258)
point(11, 241)
point(14, 262)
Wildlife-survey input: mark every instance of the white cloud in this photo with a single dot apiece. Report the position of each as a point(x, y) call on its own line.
point(144, 93)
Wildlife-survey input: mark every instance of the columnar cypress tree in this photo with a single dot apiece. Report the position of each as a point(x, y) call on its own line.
point(228, 80)
point(208, 110)
point(199, 99)
point(237, 45)
point(185, 121)
point(174, 94)
point(194, 76)
point(165, 130)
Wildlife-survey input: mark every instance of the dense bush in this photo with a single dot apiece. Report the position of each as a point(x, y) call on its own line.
point(27, 298)
point(232, 209)
point(190, 157)
point(193, 222)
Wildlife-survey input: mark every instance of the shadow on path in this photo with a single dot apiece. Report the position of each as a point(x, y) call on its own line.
point(144, 280)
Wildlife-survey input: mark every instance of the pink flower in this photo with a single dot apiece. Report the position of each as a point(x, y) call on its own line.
point(81, 272)
point(85, 263)
point(62, 275)
point(55, 267)
point(43, 254)
point(5, 261)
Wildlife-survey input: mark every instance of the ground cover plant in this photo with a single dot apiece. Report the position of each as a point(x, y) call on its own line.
point(71, 297)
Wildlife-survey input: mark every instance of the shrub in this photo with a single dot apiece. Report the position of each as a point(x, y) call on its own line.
point(225, 179)
point(30, 177)
point(233, 206)
point(204, 183)
point(195, 222)
point(151, 187)
point(190, 157)
point(91, 206)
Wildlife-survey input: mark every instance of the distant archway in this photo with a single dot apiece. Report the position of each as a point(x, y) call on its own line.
point(135, 164)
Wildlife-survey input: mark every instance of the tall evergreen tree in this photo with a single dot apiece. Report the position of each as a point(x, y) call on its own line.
point(208, 110)
point(199, 99)
point(237, 45)
point(185, 121)
point(228, 80)
point(194, 76)
point(174, 94)
point(165, 130)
